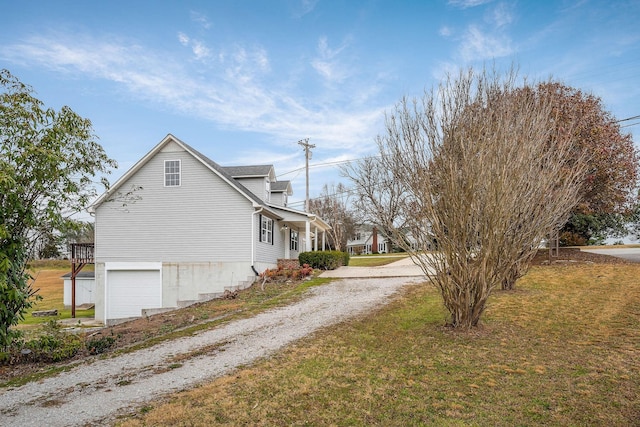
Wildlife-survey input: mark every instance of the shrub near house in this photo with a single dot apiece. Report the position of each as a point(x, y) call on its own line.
point(324, 260)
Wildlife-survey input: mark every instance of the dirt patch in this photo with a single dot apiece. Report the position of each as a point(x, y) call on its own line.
point(575, 255)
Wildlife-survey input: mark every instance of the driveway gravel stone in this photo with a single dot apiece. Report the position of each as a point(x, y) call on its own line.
point(96, 393)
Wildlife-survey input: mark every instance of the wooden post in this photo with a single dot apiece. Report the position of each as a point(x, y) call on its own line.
point(554, 245)
point(81, 255)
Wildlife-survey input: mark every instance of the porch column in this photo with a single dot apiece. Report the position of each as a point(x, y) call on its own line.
point(324, 234)
point(315, 239)
point(286, 240)
point(307, 236)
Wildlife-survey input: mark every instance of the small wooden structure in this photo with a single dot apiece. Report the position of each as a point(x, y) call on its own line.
point(81, 255)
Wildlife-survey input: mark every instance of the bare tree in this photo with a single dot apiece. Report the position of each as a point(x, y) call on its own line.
point(333, 206)
point(378, 198)
point(481, 172)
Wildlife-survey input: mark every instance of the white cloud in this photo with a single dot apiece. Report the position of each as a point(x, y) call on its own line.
point(445, 31)
point(444, 69)
point(501, 15)
point(198, 47)
point(477, 45)
point(327, 63)
point(487, 39)
point(200, 19)
point(235, 94)
point(200, 50)
point(183, 39)
point(261, 59)
point(465, 4)
point(304, 7)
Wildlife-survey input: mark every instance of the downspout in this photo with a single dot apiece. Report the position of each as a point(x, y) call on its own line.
point(253, 241)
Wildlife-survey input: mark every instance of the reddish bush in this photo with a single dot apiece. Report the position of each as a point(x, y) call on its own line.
point(281, 274)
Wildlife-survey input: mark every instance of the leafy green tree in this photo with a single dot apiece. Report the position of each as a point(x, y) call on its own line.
point(48, 162)
point(48, 247)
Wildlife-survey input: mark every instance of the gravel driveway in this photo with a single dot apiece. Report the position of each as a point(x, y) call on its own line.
point(95, 393)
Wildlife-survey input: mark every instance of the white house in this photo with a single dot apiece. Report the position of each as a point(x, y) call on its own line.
point(179, 228)
point(367, 239)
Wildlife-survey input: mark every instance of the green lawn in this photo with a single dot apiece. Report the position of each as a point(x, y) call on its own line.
point(47, 280)
point(374, 260)
point(562, 349)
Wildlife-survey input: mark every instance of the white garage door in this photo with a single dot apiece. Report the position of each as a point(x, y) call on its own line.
point(129, 291)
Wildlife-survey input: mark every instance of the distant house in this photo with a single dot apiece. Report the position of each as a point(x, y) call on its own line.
point(179, 228)
point(367, 240)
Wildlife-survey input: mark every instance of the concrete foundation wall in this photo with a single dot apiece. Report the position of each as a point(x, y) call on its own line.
point(184, 283)
point(188, 281)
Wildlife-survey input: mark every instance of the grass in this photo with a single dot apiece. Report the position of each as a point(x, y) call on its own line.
point(47, 280)
point(562, 349)
point(374, 260)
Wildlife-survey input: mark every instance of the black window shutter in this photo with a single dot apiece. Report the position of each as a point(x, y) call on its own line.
point(260, 228)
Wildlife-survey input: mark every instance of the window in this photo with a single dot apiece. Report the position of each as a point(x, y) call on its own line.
point(293, 241)
point(172, 173)
point(266, 229)
point(267, 190)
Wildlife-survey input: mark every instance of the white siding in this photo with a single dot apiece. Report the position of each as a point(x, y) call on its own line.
point(278, 198)
point(85, 291)
point(204, 219)
point(256, 185)
point(267, 252)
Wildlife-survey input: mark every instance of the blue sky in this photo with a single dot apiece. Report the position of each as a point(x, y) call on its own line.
point(243, 81)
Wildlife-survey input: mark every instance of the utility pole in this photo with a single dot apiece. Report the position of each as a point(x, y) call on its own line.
point(307, 154)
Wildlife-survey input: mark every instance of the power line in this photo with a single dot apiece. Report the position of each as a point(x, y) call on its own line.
point(337, 162)
point(628, 118)
point(630, 124)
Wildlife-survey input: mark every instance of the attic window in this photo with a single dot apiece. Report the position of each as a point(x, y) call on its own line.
point(172, 173)
point(267, 190)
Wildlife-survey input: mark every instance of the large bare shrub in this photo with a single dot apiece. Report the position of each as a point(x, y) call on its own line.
point(484, 176)
point(333, 206)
